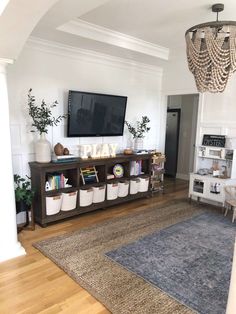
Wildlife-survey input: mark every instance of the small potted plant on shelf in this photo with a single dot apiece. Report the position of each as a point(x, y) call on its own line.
point(42, 119)
point(23, 195)
point(138, 131)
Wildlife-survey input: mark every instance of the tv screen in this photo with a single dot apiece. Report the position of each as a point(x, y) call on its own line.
point(91, 114)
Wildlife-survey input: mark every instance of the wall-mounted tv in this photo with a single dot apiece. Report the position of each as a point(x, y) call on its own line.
point(91, 114)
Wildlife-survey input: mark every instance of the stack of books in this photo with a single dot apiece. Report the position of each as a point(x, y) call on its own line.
point(136, 168)
point(56, 181)
point(64, 158)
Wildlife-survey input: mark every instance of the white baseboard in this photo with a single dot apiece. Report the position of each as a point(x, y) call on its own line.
point(12, 252)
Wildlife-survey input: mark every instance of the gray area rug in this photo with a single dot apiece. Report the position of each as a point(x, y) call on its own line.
point(81, 255)
point(191, 261)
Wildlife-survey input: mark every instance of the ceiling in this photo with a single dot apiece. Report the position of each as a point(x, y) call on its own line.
point(140, 30)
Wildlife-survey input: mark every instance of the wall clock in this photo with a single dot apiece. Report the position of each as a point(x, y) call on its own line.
point(118, 171)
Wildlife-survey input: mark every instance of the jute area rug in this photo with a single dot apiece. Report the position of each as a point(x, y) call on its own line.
point(81, 255)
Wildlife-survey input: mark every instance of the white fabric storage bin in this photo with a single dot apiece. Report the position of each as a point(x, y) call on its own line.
point(112, 191)
point(123, 188)
point(134, 186)
point(99, 194)
point(69, 201)
point(53, 204)
point(143, 184)
point(86, 197)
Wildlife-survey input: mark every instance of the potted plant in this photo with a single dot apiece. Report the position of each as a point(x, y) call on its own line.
point(23, 193)
point(42, 118)
point(138, 131)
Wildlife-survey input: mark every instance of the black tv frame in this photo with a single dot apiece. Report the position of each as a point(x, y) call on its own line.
point(95, 135)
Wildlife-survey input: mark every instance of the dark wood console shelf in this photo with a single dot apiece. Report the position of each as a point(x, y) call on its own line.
point(71, 170)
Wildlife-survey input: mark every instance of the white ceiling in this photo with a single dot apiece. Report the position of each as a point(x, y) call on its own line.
point(126, 27)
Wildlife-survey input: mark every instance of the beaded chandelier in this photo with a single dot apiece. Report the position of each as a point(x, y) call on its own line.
point(211, 52)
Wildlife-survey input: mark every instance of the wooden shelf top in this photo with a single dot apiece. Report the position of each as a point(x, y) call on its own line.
point(80, 161)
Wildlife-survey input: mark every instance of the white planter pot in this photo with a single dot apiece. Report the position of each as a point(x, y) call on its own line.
point(42, 149)
point(138, 143)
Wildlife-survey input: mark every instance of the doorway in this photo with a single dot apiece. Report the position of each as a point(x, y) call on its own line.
point(181, 127)
point(172, 141)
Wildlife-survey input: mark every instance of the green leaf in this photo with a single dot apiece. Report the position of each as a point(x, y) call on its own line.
point(41, 114)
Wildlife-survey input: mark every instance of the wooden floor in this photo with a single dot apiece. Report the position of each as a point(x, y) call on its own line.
point(33, 284)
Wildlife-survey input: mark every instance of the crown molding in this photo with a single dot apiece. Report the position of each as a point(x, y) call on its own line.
point(90, 56)
point(6, 61)
point(95, 32)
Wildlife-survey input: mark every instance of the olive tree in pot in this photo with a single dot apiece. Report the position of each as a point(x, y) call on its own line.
point(138, 131)
point(42, 118)
point(23, 195)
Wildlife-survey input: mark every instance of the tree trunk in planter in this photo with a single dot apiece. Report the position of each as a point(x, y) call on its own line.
point(42, 149)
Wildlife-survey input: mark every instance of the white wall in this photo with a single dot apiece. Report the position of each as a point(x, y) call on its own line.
point(51, 70)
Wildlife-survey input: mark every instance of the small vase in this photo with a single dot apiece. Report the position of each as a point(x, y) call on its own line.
point(42, 149)
point(138, 143)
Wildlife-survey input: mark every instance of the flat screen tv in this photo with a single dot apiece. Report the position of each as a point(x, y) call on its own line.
point(91, 114)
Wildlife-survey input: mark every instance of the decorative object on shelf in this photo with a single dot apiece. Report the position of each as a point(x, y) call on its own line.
point(139, 131)
point(42, 119)
point(61, 151)
point(128, 151)
point(24, 197)
point(118, 171)
point(89, 175)
point(58, 149)
point(97, 150)
point(66, 151)
point(213, 140)
point(211, 52)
